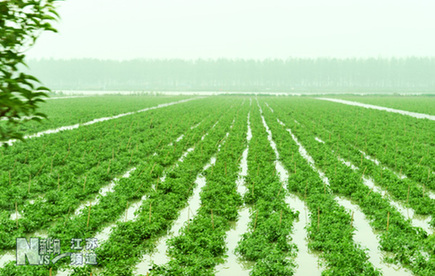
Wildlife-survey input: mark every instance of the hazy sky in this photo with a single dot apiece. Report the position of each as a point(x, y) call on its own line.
point(190, 29)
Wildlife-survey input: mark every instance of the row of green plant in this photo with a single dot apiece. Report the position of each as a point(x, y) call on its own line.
point(71, 111)
point(419, 104)
point(130, 240)
point(200, 245)
point(61, 195)
point(403, 143)
point(267, 242)
point(410, 246)
point(32, 168)
point(409, 192)
point(330, 231)
point(128, 190)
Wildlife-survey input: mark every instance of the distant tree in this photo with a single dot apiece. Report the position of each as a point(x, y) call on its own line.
point(21, 22)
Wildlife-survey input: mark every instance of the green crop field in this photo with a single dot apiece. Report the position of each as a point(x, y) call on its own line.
point(223, 185)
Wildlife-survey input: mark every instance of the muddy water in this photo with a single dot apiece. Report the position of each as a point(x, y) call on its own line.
point(361, 226)
point(306, 259)
point(102, 192)
point(407, 213)
point(51, 131)
point(159, 256)
point(233, 265)
point(364, 235)
point(10, 255)
point(319, 140)
point(303, 152)
point(307, 262)
point(403, 112)
point(269, 107)
point(103, 235)
point(6, 257)
point(429, 193)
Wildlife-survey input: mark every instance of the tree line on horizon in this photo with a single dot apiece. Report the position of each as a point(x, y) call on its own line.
point(401, 75)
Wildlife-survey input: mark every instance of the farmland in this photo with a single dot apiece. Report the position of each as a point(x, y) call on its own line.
point(224, 185)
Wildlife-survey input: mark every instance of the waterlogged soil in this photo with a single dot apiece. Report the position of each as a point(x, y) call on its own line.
point(159, 256)
point(365, 236)
point(10, 255)
point(6, 257)
point(429, 193)
point(102, 236)
point(102, 192)
point(234, 265)
point(408, 213)
point(307, 262)
point(403, 112)
point(71, 127)
point(306, 259)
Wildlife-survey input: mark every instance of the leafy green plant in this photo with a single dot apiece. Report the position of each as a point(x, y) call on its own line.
point(21, 22)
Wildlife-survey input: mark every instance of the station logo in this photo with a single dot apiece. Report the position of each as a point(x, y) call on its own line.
point(47, 251)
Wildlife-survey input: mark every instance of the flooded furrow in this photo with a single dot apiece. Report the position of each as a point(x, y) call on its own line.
point(7, 257)
point(71, 127)
point(307, 263)
point(363, 224)
point(103, 235)
point(402, 112)
point(205, 135)
point(307, 260)
point(364, 234)
point(10, 255)
point(430, 193)
point(233, 264)
point(271, 110)
point(177, 140)
point(103, 192)
point(303, 152)
point(197, 125)
point(407, 213)
point(159, 256)
point(130, 213)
